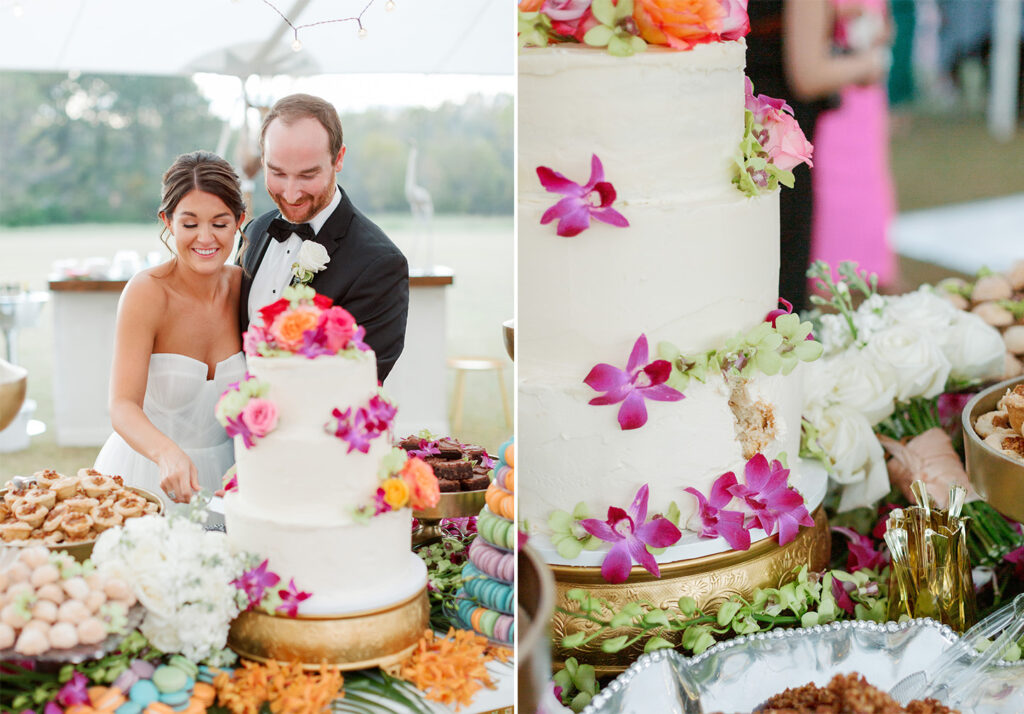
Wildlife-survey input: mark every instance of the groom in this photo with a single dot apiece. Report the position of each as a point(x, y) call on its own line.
point(302, 150)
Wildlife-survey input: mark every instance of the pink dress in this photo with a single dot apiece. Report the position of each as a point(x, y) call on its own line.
point(853, 192)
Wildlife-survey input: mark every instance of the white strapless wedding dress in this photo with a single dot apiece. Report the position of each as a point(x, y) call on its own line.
point(179, 402)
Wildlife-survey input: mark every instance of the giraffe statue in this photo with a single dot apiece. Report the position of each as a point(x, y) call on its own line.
point(422, 211)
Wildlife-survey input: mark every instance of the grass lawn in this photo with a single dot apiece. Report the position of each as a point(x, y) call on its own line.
point(478, 249)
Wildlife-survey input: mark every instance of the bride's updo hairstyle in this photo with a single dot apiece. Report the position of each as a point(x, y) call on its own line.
point(201, 171)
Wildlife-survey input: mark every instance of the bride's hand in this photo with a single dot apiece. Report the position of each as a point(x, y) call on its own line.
point(178, 476)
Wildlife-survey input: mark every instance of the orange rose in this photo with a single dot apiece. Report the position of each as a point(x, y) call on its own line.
point(678, 23)
point(530, 5)
point(396, 492)
point(422, 483)
point(288, 327)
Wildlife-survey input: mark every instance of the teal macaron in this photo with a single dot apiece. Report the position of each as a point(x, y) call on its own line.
point(143, 693)
point(129, 707)
point(175, 699)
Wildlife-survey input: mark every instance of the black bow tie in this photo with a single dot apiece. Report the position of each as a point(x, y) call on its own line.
point(280, 230)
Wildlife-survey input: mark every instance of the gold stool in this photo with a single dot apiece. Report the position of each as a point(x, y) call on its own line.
point(462, 365)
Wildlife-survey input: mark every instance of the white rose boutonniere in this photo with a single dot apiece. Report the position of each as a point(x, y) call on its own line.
point(312, 258)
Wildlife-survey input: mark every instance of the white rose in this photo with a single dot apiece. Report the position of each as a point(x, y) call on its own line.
point(312, 257)
point(856, 454)
point(162, 633)
point(865, 384)
point(922, 309)
point(975, 348)
point(921, 368)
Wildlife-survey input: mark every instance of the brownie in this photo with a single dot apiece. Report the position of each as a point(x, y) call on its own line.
point(449, 449)
point(447, 486)
point(455, 470)
point(476, 454)
point(476, 483)
point(410, 443)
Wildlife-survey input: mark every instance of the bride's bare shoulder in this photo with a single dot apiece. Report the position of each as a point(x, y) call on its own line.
point(147, 289)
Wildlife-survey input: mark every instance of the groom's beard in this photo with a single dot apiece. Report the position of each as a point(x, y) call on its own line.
point(311, 205)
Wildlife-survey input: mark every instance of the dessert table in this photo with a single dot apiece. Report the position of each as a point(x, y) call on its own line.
point(84, 312)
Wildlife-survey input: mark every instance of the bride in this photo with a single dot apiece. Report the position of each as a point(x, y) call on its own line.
point(177, 345)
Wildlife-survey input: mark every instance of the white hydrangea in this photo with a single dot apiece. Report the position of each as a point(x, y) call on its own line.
point(182, 575)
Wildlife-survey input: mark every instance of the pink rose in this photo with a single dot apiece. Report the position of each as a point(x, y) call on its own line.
point(259, 416)
point(736, 23)
point(339, 326)
point(570, 18)
point(252, 339)
point(787, 146)
point(761, 106)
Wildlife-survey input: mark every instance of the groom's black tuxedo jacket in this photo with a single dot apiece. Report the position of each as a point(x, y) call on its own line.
point(367, 275)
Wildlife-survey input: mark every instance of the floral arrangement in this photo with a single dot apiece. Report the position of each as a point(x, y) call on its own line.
point(311, 259)
point(765, 500)
point(360, 426)
point(257, 583)
point(886, 364)
point(304, 322)
point(581, 203)
point(182, 574)
point(772, 146)
point(243, 410)
point(628, 26)
point(404, 481)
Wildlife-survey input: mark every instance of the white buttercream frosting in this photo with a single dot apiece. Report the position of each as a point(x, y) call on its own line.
point(698, 264)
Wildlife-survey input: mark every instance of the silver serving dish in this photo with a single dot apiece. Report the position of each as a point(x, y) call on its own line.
point(739, 675)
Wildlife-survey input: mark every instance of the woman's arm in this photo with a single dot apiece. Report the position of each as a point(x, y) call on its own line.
point(813, 70)
point(138, 314)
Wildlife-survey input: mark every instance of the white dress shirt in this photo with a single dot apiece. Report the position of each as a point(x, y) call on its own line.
point(275, 271)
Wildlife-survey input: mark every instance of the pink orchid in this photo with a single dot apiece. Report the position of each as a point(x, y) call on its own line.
point(862, 551)
point(775, 506)
point(254, 583)
point(314, 343)
point(357, 340)
point(231, 485)
point(631, 386)
point(715, 520)
point(594, 199)
point(291, 597)
point(379, 414)
point(380, 505)
point(51, 707)
point(1017, 558)
point(74, 691)
point(843, 599)
point(736, 23)
point(778, 312)
point(631, 536)
point(352, 428)
point(570, 18)
point(236, 427)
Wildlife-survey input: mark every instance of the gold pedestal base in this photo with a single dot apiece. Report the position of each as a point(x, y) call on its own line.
point(377, 638)
point(709, 580)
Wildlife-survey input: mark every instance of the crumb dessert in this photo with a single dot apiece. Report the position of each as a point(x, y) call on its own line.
point(846, 694)
point(458, 466)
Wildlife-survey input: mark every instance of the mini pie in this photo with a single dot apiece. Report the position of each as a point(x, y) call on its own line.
point(31, 513)
point(98, 485)
point(42, 496)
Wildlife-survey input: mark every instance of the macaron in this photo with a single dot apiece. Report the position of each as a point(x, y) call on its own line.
point(184, 664)
point(126, 680)
point(143, 668)
point(169, 679)
point(129, 707)
point(143, 692)
point(176, 698)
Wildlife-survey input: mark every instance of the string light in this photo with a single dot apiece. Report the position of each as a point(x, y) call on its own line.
point(358, 19)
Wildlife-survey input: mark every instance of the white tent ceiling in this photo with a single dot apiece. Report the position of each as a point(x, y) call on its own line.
point(246, 37)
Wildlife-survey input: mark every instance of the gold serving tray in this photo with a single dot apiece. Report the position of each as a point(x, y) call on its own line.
point(996, 477)
point(81, 550)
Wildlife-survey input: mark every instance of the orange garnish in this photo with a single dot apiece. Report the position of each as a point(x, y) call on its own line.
point(451, 669)
point(287, 689)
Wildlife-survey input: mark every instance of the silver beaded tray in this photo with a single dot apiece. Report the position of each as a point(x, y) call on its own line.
point(739, 675)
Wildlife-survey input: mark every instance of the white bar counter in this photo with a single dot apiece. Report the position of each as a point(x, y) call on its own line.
point(84, 313)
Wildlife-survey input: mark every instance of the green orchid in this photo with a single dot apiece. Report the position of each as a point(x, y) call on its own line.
point(754, 174)
point(578, 683)
point(534, 29)
point(617, 31)
point(568, 536)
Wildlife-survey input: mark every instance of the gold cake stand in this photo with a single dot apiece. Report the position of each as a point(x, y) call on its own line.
point(373, 638)
point(709, 580)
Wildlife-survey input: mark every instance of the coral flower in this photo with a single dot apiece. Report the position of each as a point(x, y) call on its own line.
point(423, 487)
point(681, 24)
point(631, 386)
point(288, 327)
point(631, 535)
point(581, 203)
